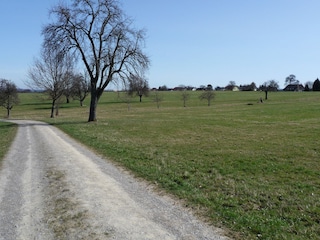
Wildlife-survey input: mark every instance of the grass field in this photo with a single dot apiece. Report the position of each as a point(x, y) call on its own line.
point(251, 168)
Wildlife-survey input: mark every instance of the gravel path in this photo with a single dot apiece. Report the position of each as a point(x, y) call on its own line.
point(52, 187)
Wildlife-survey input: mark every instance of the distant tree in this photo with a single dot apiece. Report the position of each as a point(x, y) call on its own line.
point(250, 87)
point(163, 88)
point(316, 85)
point(8, 95)
point(185, 95)
point(49, 73)
point(307, 89)
point(231, 85)
point(157, 98)
point(291, 79)
point(209, 87)
point(138, 86)
point(80, 87)
point(68, 86)
point(268, 86)
point(127, 98)
point(207, 95)
point(218, 88)
point(308, 86)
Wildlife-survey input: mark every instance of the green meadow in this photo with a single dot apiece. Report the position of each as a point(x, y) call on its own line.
point(251, 168)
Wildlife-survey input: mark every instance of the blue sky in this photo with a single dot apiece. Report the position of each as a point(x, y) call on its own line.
point(191, 42)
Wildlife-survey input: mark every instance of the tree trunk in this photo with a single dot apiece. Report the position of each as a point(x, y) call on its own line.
point(93, 105)
point(8, 112)
point(266, 97)
point(140, 98)
point(57, 110)
point(52, 109)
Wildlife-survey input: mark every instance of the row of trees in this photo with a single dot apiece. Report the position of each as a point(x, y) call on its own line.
point(271, 85)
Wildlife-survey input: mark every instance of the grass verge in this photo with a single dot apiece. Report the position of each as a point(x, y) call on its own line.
point(7, 133)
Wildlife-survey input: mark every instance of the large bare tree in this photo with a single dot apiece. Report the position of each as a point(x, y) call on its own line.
point(104, 39)
point(8, 95)
point(50, 73)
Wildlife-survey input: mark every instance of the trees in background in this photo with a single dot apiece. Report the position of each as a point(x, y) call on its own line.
point(316, 85)
point(51, 73)
point(291, 79)
point(207, 95)
point(138, 85)
point(157, 98)
point(102, 36)
point(268, 86)
point(308, 86)
point(248, 87)
point(80, 87)
point(185, 97)
point(8, 95)
point(163, 88)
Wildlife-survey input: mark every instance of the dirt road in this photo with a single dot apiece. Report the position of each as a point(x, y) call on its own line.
point(52, 187)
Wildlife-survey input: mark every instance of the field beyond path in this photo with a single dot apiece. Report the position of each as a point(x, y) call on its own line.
point(51, 187)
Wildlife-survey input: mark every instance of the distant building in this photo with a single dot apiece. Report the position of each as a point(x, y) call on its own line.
point(294, 88)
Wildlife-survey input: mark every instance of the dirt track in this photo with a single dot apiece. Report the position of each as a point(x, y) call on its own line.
point(51, 187)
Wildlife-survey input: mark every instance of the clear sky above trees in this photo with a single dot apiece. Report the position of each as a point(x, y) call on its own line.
point(191, 42)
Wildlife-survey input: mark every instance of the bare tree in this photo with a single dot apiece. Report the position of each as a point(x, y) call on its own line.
point(49, 73)
point(157, 98)
point(80, 87)
point(127, 98)
point(8, 95)
point(207, 95)
point(138, 86)
point(102, 36)
point(185, 95)
point(291, 79)
point(268, 86)
point(68, 86)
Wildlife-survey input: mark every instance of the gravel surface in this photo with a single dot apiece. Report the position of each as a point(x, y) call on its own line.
point(52, 187)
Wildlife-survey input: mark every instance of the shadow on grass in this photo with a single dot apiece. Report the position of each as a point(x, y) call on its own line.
point(69, 123)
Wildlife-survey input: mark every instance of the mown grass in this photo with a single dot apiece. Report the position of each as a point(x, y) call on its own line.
point(252, 168)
